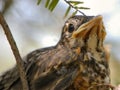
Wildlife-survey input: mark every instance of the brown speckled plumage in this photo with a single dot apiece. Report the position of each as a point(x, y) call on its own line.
point(77, 62)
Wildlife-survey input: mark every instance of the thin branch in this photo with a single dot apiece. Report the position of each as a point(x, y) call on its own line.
point(74, 7)
point(7, 5)
point(15, 52)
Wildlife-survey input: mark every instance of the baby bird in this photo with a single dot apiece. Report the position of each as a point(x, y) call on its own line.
point(77, 62)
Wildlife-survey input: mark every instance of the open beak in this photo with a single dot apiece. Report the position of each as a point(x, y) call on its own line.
point(93, 27)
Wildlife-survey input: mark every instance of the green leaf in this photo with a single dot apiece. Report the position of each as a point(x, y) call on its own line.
point(39, 1)
point(67, 11)
point(74, 13)
point(53, 5)
point(47, 3)
point(83, 8)
point(75, 2)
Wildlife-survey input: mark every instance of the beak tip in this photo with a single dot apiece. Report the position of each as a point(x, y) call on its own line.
point(99, 18)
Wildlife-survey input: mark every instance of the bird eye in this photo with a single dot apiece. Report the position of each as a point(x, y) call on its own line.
point(71, 28)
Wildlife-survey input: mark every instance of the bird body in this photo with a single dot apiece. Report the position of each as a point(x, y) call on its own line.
point(77, 62)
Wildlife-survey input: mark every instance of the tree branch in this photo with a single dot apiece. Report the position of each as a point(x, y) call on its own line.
point(74, 7)
point(15, 51)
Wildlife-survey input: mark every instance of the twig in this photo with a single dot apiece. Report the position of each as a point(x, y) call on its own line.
point(74, 8)
point(15, 52)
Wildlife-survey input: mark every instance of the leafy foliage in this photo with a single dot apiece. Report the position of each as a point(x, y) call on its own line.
point(75, 4)
point(50, 4)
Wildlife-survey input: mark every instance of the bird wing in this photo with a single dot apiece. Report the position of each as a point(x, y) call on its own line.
point(53, 69)
point(46, 69)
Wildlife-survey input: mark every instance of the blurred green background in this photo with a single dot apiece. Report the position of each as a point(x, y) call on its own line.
point(35, 27)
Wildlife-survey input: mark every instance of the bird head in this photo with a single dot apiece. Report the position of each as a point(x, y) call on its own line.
point(80, 31)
